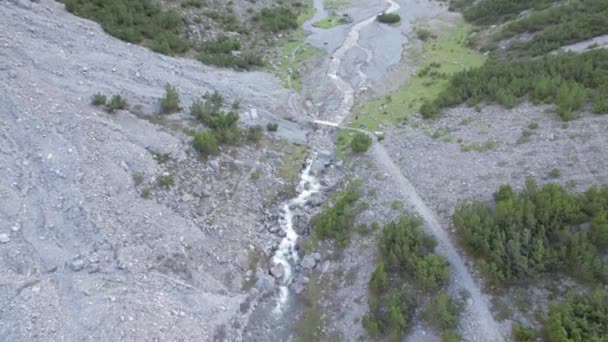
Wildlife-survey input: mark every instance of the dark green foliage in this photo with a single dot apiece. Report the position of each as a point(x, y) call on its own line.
point(98, 100)
point(559, 25)
point(389, 18)
point(255, 134)
point(580, 318)
point(208, 110)
point(170, 102)
point(205, 143)
point(224, 52)
point(406, 254)
point(406, 249)
point(117, 102)
point(390, 315)
point(443, 313)
point(488, 12)
point(276, 19)
point(538, 231)
point(166, 181)
point(336, 221)
point(565, 79)
point(523, 334)
point(360, 142)
point(135, 21)
point(424, 34)
point(272, 126)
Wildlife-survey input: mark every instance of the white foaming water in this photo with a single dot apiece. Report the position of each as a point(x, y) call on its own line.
point(286, 254)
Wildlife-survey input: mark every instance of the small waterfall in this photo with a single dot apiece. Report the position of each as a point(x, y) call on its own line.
point(286, 255)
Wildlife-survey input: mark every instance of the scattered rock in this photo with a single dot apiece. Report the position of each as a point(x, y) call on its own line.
point(308, 262)
point(277, 271)
point(77, 265)
point(4, 238)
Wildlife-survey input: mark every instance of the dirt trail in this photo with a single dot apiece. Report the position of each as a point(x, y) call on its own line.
point(478, 323)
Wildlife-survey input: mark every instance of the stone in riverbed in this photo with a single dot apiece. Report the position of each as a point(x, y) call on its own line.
point(277, 271)
point(308, 262)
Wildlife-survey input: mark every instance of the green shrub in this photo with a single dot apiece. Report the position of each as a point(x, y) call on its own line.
point(523, 334)
point(98, 100)
point(389, 18)
point(272, 126)
point(205, 143)
point(424, 34)
point(535, 232)
point(146, 193)
point(443, 313)
point(579, 318)
point(166, 181)
point(170, 102)
point(555, 173)
point(360, 142)
point(276, 19)
point(336, 221)
point(117, 102)
point(135, 21)
point(209, 111)
point(255, 134)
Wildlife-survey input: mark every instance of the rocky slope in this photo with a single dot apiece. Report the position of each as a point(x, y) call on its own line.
point(83, 255)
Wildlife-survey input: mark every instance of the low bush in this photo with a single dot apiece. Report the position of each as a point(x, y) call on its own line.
point(255, 134)
point(117, 102)
point(166, 181)
point(170, 102)
point(443, 313)
point(208, 110)
point(205, 143)
point(424, 34)
point(276, 19)
point(389, 18)
point(360, 142)
point(98, 100)
point(272, 126)
point(135, 21)
point(336, 220)
point(579, 318)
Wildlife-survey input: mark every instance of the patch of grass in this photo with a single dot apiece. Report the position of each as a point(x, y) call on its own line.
point(160, 157)
point(205, 143)
point(446, 56)
point(256, 174)
point(533, 125)
point(146, 193)
point(479, 147)
point(290, 169)
point(255, 134)
point(166, 181)
point(98, 99)
point(309, 326)
point(360, 143)
point(424, 34)
point(335, 4)
point(293, 53)
point(328, 22)
point(396, 205)
point(276, 19)
point(138, 178)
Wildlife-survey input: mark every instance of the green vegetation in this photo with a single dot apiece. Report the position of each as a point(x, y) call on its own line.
point(205, 143)
point(208, 110)
point(255, 134)
point(256, 174)
point(360, 142)
point(135, 21)
point(523, 334)
point(442, 57)
point(276, 19)
point(406, 254)
point(555, 173)
point(479, 147)
point(389, 18)
point(146, 193)
point(538, 231)
point(272, 126)
point(337, 220)
point(166, 181)
point(117, 102)
point(170, 102)
point(566, 79)
point(294, 52)
point(328, 22)
point(160, 157)
point(225, 52)
point(488, 12)
point(98, 99)
point(291, 166)
point(424, 34)
point(559, 25)
point(579, 318)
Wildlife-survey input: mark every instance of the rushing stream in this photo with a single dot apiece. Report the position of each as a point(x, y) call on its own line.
point(286, 255)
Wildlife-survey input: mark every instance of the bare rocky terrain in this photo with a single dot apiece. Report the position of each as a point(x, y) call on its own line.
point(84, 256)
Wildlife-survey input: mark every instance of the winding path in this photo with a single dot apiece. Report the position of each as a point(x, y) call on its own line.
point(480, 322)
